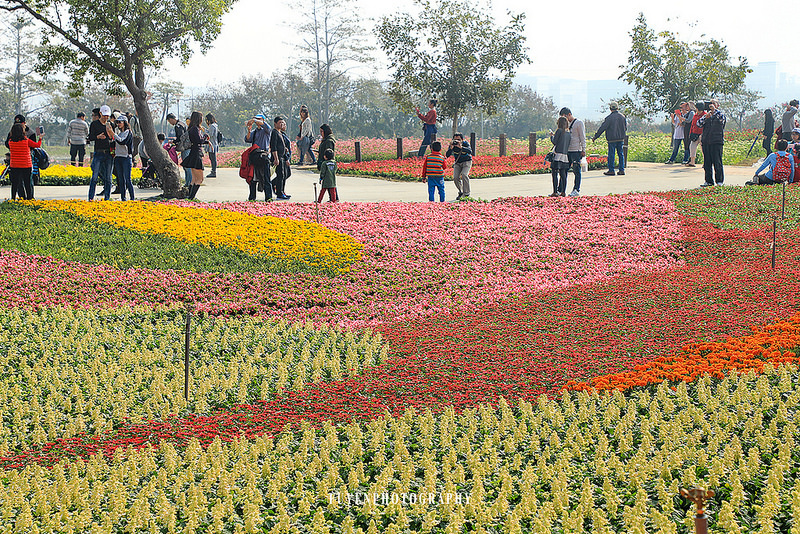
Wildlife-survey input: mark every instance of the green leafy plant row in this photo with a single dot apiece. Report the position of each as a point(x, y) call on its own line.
point(69, 237)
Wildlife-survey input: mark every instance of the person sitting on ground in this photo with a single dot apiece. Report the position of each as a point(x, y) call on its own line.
point(781, 167)
point(327, 177)
point(433, 168)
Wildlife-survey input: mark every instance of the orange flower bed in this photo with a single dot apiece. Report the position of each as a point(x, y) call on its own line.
point(772, 344)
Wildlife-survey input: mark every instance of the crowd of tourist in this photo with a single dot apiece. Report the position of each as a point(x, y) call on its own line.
point(117, 141)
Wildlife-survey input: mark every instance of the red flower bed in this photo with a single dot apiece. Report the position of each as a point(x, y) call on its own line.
point(482, 167)
point(522, 347)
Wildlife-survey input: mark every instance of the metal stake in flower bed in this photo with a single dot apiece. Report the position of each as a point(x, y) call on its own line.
point(774, 240)
point(316, 202)
point(186, 353)
point(699, 496)
point(783, 202)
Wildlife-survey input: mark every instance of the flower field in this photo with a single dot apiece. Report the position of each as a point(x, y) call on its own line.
point(521, 365)
point(482, 167)
point(69, 175)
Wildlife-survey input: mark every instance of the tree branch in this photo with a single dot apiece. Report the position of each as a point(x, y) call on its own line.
point(22, 4)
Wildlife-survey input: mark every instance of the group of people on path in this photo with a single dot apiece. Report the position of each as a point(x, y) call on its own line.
point(700, 124)
point(569, 152)
point(266, 164)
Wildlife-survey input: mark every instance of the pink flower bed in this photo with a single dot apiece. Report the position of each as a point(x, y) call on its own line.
point(418, 259)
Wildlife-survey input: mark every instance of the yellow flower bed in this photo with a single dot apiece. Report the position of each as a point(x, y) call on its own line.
point(290, 240)
point(63, 171)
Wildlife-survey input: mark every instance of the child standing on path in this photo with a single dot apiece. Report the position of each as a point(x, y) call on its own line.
point(327, 177)
point(433, 171)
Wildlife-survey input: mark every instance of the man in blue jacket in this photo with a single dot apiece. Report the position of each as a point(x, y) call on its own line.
point(781, 167)
point(615, 127)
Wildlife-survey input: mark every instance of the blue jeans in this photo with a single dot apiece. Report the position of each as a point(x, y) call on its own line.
point(304, 147)
point(101, 171)
point(433, 185)
point(187, 173)
point(430, 131)
point(122, 168)
point(615, 147)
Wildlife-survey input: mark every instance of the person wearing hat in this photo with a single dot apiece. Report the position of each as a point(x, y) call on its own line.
point(614, 127)
point(123, 147)
point(102, 162)
point(258, 135)
point(281, 150)
point(30, 134)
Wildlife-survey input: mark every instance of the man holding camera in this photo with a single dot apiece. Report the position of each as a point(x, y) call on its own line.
point(787, 119)
point(712, 141)
point(462, 153)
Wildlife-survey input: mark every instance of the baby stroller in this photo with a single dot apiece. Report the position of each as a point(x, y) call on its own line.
point(4, 178)
point(150, 179)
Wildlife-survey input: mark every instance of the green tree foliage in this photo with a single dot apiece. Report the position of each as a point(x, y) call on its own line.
point(666, 71)
point(453, 52)
point(525, 111)
point(117, 42)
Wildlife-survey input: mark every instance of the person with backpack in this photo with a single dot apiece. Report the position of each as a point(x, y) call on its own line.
point(214, 137)
point(781, 167)
point(20, 161)
point(182, 145)
point(194, 161)
point(123, 150)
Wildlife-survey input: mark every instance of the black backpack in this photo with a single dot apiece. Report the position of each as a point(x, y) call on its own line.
point(42, 159)
point(219, 137)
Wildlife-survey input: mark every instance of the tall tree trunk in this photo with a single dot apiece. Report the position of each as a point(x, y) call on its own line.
point(166, 169)
point(455, 122)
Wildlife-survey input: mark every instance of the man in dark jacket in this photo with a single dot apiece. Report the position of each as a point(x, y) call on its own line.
point(615, 127)
point(712, 140)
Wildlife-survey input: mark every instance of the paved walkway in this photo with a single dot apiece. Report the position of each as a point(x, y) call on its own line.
point(638, 177)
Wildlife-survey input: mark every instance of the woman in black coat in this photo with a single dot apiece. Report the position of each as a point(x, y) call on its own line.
point(194, 161)
point(769, 130)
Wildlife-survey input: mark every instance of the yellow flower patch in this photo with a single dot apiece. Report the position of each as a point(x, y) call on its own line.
point(64, 171)
point(290, 240)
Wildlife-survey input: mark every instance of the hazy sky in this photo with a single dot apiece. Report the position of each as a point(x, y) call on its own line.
point(578, 39)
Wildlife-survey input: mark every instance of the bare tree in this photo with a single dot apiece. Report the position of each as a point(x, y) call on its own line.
point(20, 82)
point(332, 44)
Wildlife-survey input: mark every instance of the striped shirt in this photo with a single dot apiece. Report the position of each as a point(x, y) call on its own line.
point(434, 166)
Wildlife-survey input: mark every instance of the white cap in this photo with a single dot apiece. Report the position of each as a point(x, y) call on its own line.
point(105, 111)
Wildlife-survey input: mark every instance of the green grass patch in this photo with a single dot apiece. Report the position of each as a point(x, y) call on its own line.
point(69, 237)
point(742, 208)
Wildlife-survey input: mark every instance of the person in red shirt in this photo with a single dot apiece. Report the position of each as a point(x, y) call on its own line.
point(695, 132)
point(20, 164)
point(428, 127)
